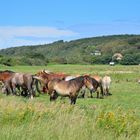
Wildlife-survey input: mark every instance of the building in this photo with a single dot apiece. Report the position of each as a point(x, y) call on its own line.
point(117, 56)
point(96, 53)
point(111, 63)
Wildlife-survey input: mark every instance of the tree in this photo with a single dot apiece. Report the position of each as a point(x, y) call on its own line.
point(129, 59)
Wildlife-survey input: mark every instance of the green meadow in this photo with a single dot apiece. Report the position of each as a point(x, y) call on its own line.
point(114, 117)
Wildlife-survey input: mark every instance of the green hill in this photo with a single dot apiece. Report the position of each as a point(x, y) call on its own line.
point(76, 51)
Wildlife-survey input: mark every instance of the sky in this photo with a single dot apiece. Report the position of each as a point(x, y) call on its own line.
point(32, 22)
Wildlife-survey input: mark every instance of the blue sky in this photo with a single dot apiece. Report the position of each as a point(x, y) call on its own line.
point(29, 22)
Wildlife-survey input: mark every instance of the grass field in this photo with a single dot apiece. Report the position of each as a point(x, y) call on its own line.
point(115, 117)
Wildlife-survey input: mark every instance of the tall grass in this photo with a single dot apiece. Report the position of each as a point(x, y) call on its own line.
point(21, 119)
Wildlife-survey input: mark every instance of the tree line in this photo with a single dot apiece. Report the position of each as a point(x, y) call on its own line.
point(81, 51)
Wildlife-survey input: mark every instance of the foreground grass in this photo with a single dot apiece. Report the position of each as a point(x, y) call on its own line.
point(115, 117)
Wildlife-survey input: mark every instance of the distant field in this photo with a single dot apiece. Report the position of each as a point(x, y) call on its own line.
point(115, 117)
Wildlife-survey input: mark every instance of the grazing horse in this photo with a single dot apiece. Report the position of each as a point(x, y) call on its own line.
point(96, 82)
point(4, 75)
point(69, 88)
point(106, 81)
point(45, 77)
point(25, 81)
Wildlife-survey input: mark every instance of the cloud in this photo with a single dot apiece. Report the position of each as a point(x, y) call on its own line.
point(11, 36)
point(31, 35)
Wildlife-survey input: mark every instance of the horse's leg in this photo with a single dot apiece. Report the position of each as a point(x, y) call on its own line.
point(97, 94)
point(108, 93)
point(51, 93)
point(24, 92)
point(8, 88)
point(13, 89)
point(102, 93)
point(31, 93)
point(8, 91)
point(30, 90)
point(91, 94)
point(73, 98)
point(101, 89)
point(83, 93)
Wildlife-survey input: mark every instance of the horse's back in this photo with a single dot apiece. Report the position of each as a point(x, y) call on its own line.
point(22, 78)
point(5, 75)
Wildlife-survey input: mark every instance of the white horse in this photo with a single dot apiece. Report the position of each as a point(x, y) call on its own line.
point(106, 81)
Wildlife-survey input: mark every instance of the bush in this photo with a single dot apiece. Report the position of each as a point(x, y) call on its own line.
point(129, 59)
point(6, 61)
point(104, 59)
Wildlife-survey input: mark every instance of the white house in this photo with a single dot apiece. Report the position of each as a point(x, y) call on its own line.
point(112, 63)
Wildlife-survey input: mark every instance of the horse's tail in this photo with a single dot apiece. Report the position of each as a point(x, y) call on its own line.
point(37, 81)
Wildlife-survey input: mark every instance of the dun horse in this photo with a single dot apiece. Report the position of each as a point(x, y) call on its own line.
point(69, 88)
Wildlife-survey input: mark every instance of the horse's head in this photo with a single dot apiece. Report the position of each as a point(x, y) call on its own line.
point(42, 74)
point(88, 83)
point(46, 71)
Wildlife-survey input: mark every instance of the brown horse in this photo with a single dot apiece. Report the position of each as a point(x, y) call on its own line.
point(4, 75)
point(69, 88)
point(45, 77)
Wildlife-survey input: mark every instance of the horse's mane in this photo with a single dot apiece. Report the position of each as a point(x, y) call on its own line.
point(7, 71)
point(78, 79)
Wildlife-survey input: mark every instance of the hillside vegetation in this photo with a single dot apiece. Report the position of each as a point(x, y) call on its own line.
point(76, 51)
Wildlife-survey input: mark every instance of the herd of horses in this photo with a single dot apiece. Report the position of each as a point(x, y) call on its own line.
point(55, 84)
